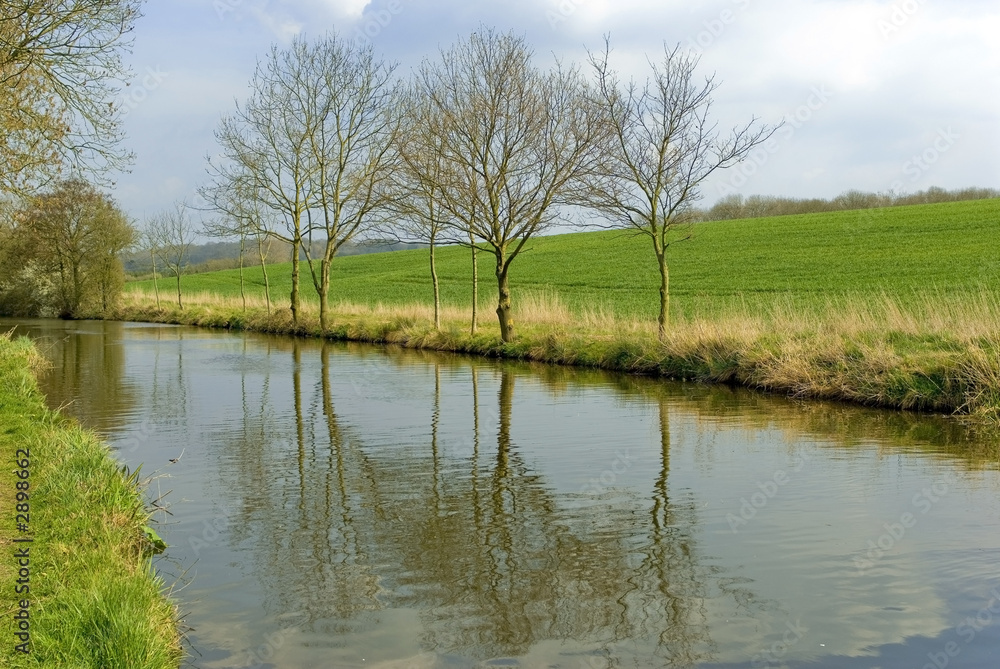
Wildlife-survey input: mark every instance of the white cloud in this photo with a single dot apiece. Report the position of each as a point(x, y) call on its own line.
point(285, 19)
point(281, 26)
point(348, 8)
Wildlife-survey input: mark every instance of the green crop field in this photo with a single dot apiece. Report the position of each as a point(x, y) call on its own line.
point(801, 260)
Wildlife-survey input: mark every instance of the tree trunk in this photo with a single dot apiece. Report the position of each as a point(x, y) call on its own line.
point(63, 289)
point(664, 320)
point(156, 290)
point(71, 299)
point(503, 301)
point(105, 282)
point(475, 285)
point(435, 454)
point(243, 290)
point(77, 290)
point(475, 409)
point(263, 269)
point(179, 305)
point(662, 515)
point(294, 306)
point(437, 289)
point(324, 293)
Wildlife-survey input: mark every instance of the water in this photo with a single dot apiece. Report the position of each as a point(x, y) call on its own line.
point(349, 506)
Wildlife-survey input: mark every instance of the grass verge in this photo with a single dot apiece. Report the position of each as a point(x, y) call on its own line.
point(93, 598)
point(935, 353)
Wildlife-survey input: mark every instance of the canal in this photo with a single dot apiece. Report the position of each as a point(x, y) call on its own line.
point(337, 505)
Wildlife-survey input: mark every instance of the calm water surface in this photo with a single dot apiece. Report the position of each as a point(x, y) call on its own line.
point(348, 506)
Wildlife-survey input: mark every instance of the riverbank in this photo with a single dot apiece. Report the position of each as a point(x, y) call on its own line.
point(87, 594)
point(939, 353)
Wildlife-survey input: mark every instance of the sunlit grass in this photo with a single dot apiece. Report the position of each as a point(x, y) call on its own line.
point(94, 599)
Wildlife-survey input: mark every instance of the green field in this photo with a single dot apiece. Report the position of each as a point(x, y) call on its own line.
point(802, 260)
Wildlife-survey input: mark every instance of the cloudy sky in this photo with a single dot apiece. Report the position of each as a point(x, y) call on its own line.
point(876, 95)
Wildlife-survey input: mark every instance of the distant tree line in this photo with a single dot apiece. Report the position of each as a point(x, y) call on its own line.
point(215, 256)
point(759, 206)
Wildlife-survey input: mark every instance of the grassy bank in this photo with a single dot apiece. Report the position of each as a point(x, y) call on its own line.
point(892, 307)
point(940, 353)
point(94, 601)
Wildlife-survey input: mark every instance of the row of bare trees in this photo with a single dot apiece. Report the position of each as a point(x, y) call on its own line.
point(480, 147)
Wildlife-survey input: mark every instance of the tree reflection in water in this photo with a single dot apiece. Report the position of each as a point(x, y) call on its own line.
point(480, 546)
point(86, 373)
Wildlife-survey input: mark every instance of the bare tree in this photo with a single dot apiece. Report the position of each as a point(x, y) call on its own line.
point(234, 223)
point(312, 146)
point(263, 253)
point(228, 229)
point(60, 72)
point(243, 217)
point(414, 209)
point(515, 141)
point(343, 96)
point(148, 242)
point(475, 283)
point(266, 152)
point(172, 233)
point(663, 147)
